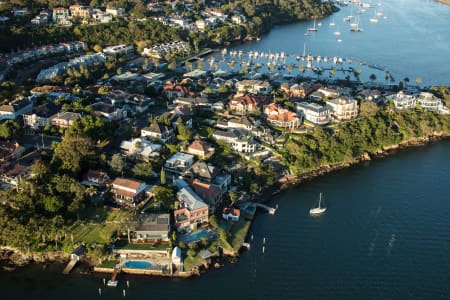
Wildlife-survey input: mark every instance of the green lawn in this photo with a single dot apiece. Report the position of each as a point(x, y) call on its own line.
point(110, 264)
point(190, 262)
point(238, 233)
point(99, 226)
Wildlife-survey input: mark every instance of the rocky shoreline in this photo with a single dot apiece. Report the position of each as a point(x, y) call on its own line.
point(288, 182)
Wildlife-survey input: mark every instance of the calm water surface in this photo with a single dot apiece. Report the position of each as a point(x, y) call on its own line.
point(413, 41)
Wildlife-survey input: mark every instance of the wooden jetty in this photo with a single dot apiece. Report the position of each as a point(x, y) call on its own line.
point(70, 266)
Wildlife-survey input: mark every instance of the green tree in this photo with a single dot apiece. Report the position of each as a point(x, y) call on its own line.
point(117, 163)
point(74, 151)
point(142, 170)
point(373, 77)
point(9, 128)
point(164, 195)
point(184, 133)
point(163, 178)
point(52, 203)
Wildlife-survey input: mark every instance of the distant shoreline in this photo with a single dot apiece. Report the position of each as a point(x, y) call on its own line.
point(444, 1)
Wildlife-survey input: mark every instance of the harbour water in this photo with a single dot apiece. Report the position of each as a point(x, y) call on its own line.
point(386, 232)
point(411, 39)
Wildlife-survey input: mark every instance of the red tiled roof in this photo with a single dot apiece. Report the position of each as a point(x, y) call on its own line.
point(199, 146)
point(127, 183)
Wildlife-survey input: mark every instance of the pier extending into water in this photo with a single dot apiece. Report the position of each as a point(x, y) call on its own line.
point(270, 210)
point(73, 261)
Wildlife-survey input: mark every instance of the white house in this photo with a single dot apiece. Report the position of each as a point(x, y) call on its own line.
point(140, 148)
point(343, 108)
point(430, 102)
point(178, 163)
point(15, 109)
point(258, 87)
point(403, 101)
point(314, 113)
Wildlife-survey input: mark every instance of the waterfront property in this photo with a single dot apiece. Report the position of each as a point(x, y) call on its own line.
point(153, 228)
point(343, 108)
point(192, 211)
point(281, 117)
point(314, 113)
point(432, 103)
point(403, 101)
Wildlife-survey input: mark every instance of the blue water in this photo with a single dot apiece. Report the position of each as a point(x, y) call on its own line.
point(138, 264)
point(413, 42)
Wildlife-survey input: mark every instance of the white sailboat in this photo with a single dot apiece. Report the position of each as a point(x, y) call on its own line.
point(314, 28)
point(374, 19)
point(356, 28)
point(332, 23)
point(319, 209)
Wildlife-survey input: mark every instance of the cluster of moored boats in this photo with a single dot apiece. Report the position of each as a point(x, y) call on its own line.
point(354, 19)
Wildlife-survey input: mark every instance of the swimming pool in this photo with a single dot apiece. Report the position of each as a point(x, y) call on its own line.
point(196, 236)
point(138, 264)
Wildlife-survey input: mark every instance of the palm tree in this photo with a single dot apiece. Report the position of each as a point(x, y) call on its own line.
point(373, 77)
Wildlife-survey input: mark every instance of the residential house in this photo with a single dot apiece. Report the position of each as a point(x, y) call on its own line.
point(80, 11)
point(140, 149)
point(172, 91)
point(371, 95)
point(119, 49)
point(16, 108)
point(403, 101)
point(245, 103)
point(296, 90)
point(41, 19)
point(61, 16)
point(158, 131)
point(192, 211)
point(240, 140)
point(281, 117)
point(256, 87)
point(178, 163)
point(108, 111)
point(343, 108)
point(201, 149)
point(153, 228)
point(231, 214)
point(64, 119)
point(10, 150)
point(210, 193)
point(314, 113)
point(95, 178)
point(12, 172)
point(102, 17)
point(197, 102)
point(430, 102)
point(328, 92)
point(115, 11)
point(181, 114)
point(40, 115)
point(128, 192)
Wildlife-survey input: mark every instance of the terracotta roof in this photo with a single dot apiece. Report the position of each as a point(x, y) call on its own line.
point(127, 183)
point(200, 146)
